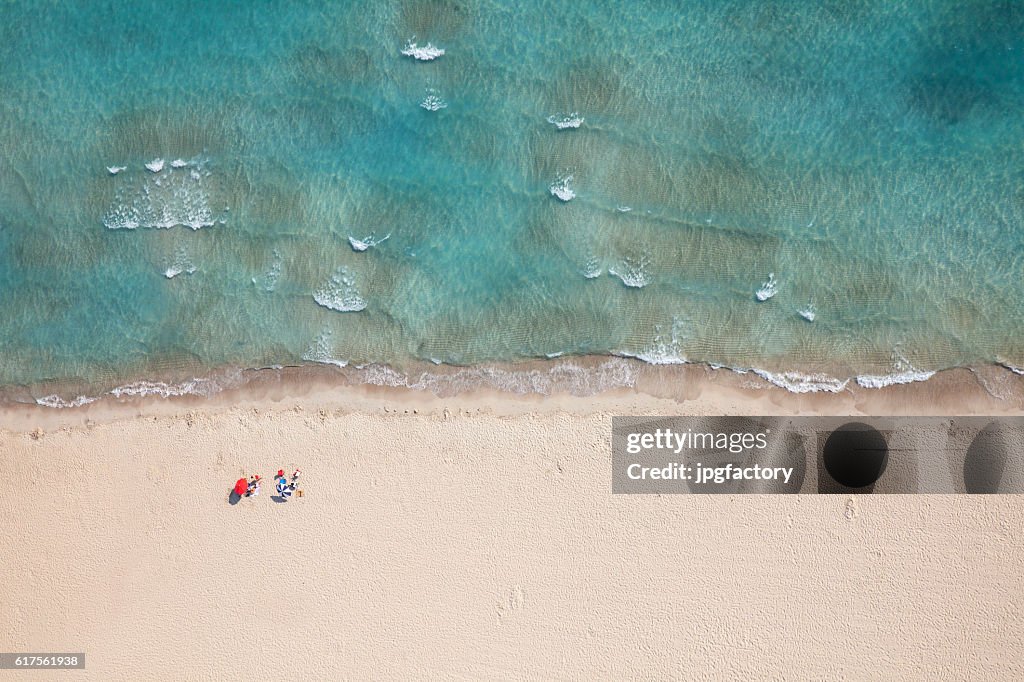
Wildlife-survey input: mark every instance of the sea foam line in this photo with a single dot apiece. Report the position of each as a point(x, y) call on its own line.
point(139, 389)
point(618, 372)
point(796, 382)
point(56, 401)
point(566, 377)
point(1011, 367)
point(904, 373)
point(883, 380)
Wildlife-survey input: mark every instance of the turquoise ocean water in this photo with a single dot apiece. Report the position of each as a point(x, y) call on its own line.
point(868, 155)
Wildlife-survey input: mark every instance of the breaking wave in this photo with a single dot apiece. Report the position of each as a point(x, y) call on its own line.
point(340, 293)
point(795, 382)
point(566, 121)
point(567, 376)
point(808, 312)
point(162, 200)
point(665, 349)
point(321, 351)
point(56, 401)
point(562, 188)
point(903, 373)
point(592, 269)
point(424, 53)
point(768, 289)
point(564, 377)
point(366, 242)
point(197, 386)
point(182, 263)
point(1011, 367)
point(432, 101)
point(633, 272)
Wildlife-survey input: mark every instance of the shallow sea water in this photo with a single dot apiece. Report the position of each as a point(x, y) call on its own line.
point(867, 154)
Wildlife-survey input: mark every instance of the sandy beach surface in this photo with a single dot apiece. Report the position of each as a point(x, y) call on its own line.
point(475, 537)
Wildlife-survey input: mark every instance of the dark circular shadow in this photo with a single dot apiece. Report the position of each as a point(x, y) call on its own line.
point(855, 455)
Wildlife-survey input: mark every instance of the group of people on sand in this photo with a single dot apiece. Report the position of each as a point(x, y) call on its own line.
point(285, 487)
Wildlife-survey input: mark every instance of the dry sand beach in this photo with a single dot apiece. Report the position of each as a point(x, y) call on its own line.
point(475, 537)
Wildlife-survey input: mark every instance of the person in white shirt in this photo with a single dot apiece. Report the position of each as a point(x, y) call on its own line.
point(254, 487)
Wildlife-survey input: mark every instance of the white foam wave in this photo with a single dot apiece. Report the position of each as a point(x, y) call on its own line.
point(179, 163)
point(56, 401)
point(321, 351)
point(268, 280)
point(562, 188)
point(340, 293)
point(592, 268)
point(565, 377)
point(808, 312)
point(155, 166)
point(174, 271)
point(768, 289)
point(366, 242)
point(623, 209)
point(433, 102)
point(114, 170)
point(633, 272)
point(566, 121)
point(138, 389)
point(424, 53)
point(182, 264)
point(169, 200)
point(1009, 366)
point(903, 373)
point(795, 382)
point(881, 381)
point(664, 349)
point(198, 386)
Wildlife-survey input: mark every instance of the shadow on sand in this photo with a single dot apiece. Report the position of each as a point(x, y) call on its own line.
point(233, 497)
